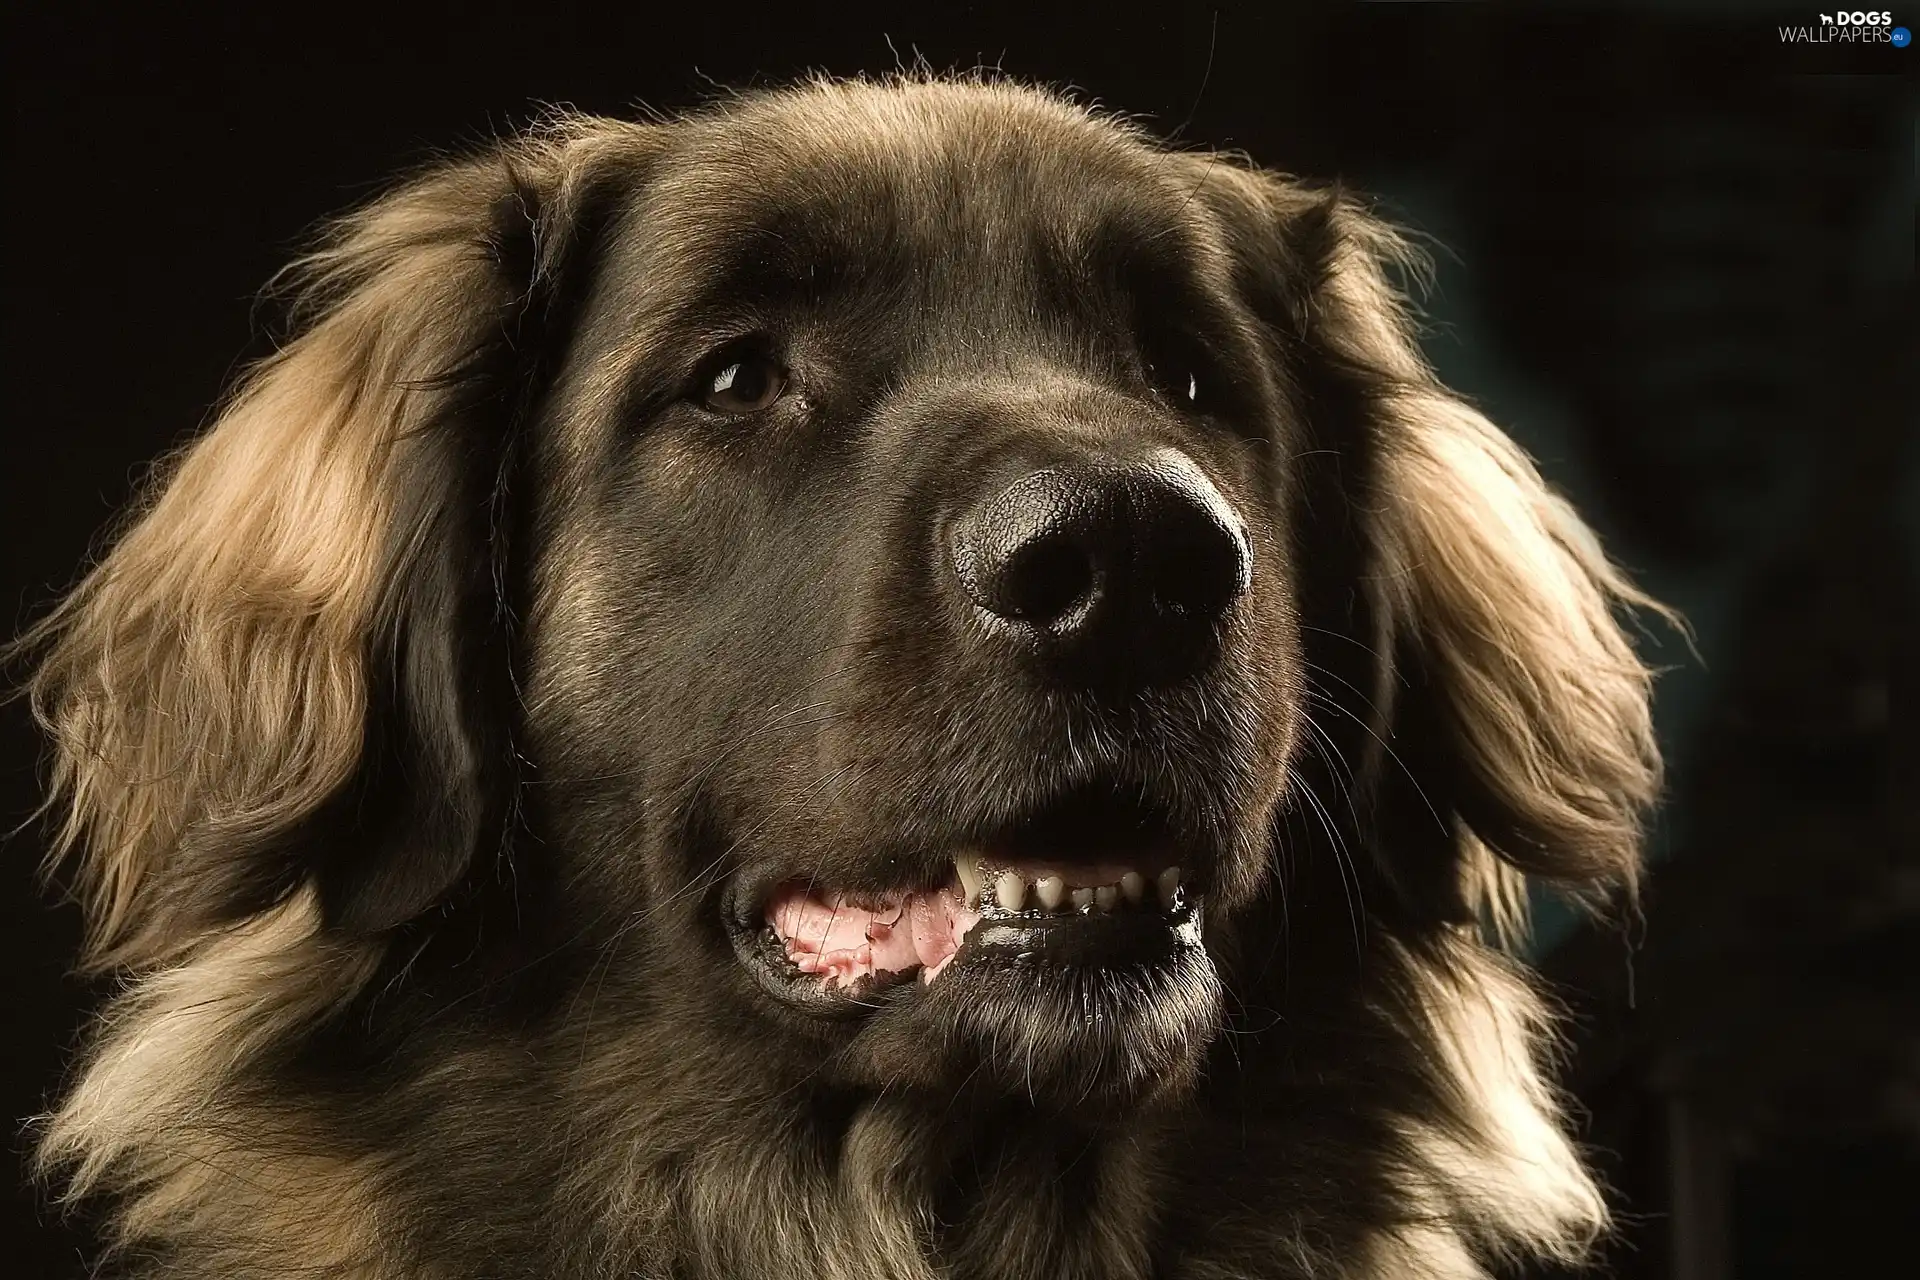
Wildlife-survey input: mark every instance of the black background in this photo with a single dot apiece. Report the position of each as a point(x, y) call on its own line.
point(1677, 265)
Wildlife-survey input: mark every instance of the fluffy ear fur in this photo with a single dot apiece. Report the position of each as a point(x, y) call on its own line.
point(294, 667)
point(1525, 707)
point(1534, 703)
point(1499, 712)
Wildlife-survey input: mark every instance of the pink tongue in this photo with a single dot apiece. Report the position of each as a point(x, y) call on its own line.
point(842, 942)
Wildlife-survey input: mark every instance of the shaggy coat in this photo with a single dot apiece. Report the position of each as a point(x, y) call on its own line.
point(428, 743)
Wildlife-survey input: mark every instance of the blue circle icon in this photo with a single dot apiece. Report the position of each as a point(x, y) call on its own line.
point(1901, 37)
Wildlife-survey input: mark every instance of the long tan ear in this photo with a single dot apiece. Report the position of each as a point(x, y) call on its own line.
point(1502, 712)
point(1505, 614)
point(286, 604)
point(1510, 604)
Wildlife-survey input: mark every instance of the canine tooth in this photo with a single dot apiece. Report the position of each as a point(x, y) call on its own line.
point(1106, 897)
point(969, 869)
point(1010, 891)
point(1133, 886)
point(1082, 899)
point(1169, 886)
point(1050, 890)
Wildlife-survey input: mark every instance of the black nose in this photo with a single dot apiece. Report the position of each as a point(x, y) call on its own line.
point(1120, 571)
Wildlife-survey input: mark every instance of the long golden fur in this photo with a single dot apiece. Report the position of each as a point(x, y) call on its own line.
point(447, 1057)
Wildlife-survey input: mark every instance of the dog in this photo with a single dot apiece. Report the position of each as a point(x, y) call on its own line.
point(883, 679)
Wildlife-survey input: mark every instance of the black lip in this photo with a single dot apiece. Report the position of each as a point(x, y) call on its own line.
point(761, 953)
point(1125, 937)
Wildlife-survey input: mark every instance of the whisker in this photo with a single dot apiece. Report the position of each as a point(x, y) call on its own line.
point(1342, 860)
point(1320, 697)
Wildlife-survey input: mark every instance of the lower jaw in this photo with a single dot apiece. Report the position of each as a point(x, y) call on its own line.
point(1101, 1040)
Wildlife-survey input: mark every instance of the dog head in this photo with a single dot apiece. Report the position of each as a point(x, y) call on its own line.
point(904, 578)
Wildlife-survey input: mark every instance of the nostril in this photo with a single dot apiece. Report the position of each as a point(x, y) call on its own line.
point(1032, 551)
point(1045, 579)
point(1195, 573)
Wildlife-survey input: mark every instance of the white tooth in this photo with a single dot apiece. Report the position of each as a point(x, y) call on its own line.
point(1050, 890)
point(969, 868)
point(1169, 886)
point(1010, 891)
point(1133, 886)
point(1105, 897)
point(1082, 899)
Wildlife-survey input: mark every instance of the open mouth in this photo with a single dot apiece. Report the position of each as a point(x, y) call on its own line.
point(1033, 900)
point(1065, 913)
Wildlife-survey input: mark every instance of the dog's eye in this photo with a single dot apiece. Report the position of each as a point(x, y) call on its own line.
point(743, 384)
point(1179, 383)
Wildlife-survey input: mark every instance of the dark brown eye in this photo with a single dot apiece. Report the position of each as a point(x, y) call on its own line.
point(743, 384)
point(1179, 382)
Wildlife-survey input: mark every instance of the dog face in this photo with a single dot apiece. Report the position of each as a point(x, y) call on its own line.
point(920, 574)
point(909, 593)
